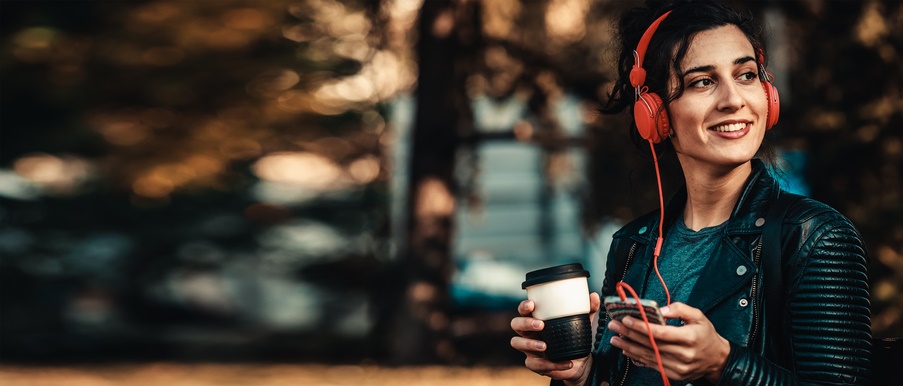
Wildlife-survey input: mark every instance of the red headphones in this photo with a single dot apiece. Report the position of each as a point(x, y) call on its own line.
point(648, 110)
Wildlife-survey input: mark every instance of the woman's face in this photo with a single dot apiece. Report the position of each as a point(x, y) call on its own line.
point(719, 121)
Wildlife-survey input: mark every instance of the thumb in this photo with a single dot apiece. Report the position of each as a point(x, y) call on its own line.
point(683, 312)
point(594, 302)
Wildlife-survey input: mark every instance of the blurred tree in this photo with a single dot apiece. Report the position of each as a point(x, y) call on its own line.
point(449, 35)
point(846, 84)
point(830, 113)
point(159, 157)
point(190, 164)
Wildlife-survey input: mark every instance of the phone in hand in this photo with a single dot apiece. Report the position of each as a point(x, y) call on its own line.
point(617, 309)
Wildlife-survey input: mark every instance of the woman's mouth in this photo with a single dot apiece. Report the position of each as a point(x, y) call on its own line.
point(729, 127)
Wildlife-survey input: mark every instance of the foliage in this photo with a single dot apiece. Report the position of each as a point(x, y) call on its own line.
point(215, 179)
point(178, 167)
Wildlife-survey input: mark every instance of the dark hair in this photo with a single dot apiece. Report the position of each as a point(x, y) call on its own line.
point(672, 37)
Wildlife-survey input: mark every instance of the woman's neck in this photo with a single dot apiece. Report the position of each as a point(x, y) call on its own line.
point(712, 194)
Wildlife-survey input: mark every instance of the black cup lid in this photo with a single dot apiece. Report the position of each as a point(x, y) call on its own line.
point(558, 272)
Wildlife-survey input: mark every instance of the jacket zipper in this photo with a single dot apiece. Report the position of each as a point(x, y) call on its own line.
point(629, 259)
point(753, 296)
point(626, 369)
point(623, 274)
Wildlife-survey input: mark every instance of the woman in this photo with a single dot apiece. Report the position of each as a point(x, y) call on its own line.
point(706, 64)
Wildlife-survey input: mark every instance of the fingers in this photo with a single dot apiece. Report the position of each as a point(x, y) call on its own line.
point(594, 302)
point(526, 324)
point(628, 339)
point(527, 328)
point(635, 330)
point(533, 348)
point(690, 351)
point(683, 312)
point(537, 362)
point(545, 367)
point(640, 354)
point(526, 307)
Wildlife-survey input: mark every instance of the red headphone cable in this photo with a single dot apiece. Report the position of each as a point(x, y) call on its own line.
point(658, 357)
point(655, 254)
point(661, 222)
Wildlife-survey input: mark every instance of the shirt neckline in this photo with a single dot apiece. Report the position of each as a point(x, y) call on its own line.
point(681, 227)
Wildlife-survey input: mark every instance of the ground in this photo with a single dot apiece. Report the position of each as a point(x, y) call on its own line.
point(169, 374)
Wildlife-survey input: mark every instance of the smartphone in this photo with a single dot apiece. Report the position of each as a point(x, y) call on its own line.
point(617, 309)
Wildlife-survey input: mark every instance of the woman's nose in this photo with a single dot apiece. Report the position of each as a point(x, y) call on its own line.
point(730, 99)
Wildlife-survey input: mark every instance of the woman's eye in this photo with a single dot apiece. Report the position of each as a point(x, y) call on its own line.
point(749, 76)
point(705, 82)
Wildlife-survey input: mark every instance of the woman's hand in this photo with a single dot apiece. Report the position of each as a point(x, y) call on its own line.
point(528, 328)
point(692, 351)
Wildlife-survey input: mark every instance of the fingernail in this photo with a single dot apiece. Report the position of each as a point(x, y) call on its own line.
point(537, 324)
point(540, 346)
point(665, 310)
point(567, 365)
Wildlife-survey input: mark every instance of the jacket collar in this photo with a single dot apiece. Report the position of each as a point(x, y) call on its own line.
point(760, 190)
point(722, 276)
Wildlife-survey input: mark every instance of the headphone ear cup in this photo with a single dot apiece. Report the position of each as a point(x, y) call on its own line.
point(774, 104)
point(650, 122)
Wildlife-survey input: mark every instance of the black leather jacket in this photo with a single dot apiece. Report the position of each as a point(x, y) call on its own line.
point(825, 329)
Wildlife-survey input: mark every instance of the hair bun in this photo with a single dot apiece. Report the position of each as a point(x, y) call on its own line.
point(659, 4)
point(659, 7)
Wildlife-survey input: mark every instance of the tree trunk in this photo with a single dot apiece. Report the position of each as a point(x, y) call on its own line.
point(421, 327)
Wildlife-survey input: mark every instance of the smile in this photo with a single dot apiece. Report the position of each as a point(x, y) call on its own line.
point(730, 127)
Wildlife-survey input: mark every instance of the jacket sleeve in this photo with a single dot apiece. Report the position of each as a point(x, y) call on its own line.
point(827, 306)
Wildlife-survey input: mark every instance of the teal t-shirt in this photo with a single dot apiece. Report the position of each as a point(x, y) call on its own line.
point(684, 254)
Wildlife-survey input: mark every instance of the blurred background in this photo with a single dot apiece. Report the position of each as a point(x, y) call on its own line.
point(363, 184)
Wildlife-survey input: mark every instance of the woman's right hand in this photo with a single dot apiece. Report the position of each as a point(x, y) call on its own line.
point(527, 328)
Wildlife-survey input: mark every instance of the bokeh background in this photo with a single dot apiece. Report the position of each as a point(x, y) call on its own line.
point(359, 186)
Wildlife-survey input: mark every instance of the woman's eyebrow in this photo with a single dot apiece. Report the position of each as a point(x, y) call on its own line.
point(744, 60)
point(708, 68)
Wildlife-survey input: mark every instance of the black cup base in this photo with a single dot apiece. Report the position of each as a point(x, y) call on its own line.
point(567, 338)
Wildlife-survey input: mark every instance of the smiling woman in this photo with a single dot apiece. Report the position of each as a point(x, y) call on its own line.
point(693, 74)
point(719, 121)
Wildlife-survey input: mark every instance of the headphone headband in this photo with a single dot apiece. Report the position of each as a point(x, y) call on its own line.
point(649, 108)
point(638, 73)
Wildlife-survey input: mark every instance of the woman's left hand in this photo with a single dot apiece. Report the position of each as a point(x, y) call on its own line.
point(692, 351)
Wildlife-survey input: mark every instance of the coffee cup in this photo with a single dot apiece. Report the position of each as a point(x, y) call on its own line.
point(561, 298)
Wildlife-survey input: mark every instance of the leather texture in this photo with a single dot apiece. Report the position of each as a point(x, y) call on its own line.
point(825, 332)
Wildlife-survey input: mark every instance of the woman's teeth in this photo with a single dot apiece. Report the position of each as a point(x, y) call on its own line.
point(729, 127)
